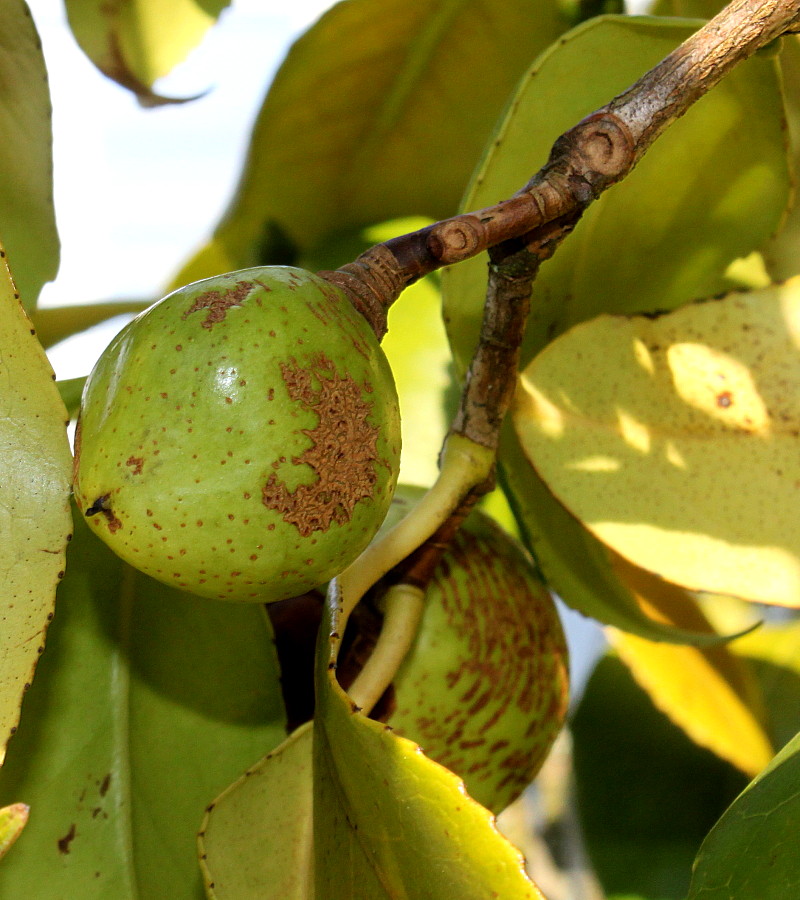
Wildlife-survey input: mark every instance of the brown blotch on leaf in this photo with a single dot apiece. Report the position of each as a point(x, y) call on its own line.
point(343, 454)
point(219, 302)
point(725, 399)
point(64, 842)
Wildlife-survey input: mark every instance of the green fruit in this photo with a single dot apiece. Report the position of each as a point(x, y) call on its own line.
point(484, 688)
point(240, 439)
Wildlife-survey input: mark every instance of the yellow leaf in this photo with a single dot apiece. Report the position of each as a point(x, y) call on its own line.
point(675, 439)
point(710, 692)
point(35, 520)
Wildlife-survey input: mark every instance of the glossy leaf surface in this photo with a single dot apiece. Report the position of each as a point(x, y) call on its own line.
point(674, 439)
point(388, 821)
point(752, 851)
point(377, 112)
point(27, 218)
point(147, 703)
point(35, 521)
point(135, 42)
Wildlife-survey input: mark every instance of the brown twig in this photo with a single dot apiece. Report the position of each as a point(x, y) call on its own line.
point(584, 161)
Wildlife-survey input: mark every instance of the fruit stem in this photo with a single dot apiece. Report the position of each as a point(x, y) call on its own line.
point(402, 613)
point(464, 465)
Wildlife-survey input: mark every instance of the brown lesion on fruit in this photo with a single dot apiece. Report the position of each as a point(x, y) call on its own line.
point(136, 464)
point(343, 453)
point(102, 506)
point(219, 302)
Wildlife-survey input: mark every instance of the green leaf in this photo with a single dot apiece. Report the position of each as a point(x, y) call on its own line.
point(646, 795)
point(773, 652)
point(135, 42)
point(27, 218)
point(147, 703)
point(708, 192)
point(751, 852)
point(56, 323)
point(674, 439)
point(781, 252)
point(71, 391)
point(389, 822)
point(578, 567)
point(256, 840)
point(379, 111)
point(34, 501)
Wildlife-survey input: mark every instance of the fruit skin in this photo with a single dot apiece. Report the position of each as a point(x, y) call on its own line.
point(240, 439)
point(484, 688)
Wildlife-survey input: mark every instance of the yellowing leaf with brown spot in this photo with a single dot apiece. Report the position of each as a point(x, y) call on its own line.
point(34, 500)
point(675, 439)
point(709, 692)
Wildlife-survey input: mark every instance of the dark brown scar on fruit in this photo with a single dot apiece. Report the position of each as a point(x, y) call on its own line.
point(219, 302)
point(100, 507)
point(343, 454)
point(136, 463)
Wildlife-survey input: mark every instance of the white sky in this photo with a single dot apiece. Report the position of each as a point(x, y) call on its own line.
point(136, 191)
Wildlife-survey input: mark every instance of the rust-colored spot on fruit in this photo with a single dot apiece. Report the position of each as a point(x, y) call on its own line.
point(725, 399)
point(135, 463)
point(343, 454)
point(219, 302)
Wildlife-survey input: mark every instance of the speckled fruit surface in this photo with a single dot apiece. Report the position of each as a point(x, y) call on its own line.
point(484, 689)
point(240, 439)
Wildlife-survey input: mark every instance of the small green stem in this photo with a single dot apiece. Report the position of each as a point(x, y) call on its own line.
point(465, 465)
point(403, 608)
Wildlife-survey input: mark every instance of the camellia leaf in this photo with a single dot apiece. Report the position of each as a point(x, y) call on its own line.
point(581, 570)
point(34, 501)
point(675, 439)
point(13, 819)
point(27, 217)
point(56, 323)
point(71, 390)
point(773, 653)
point(135, 42)
point(391, 124)
point(388, 821)
point(751, 852)
point(147, 703)
point(706, 193)
point(711, 693)
point(256, 840)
